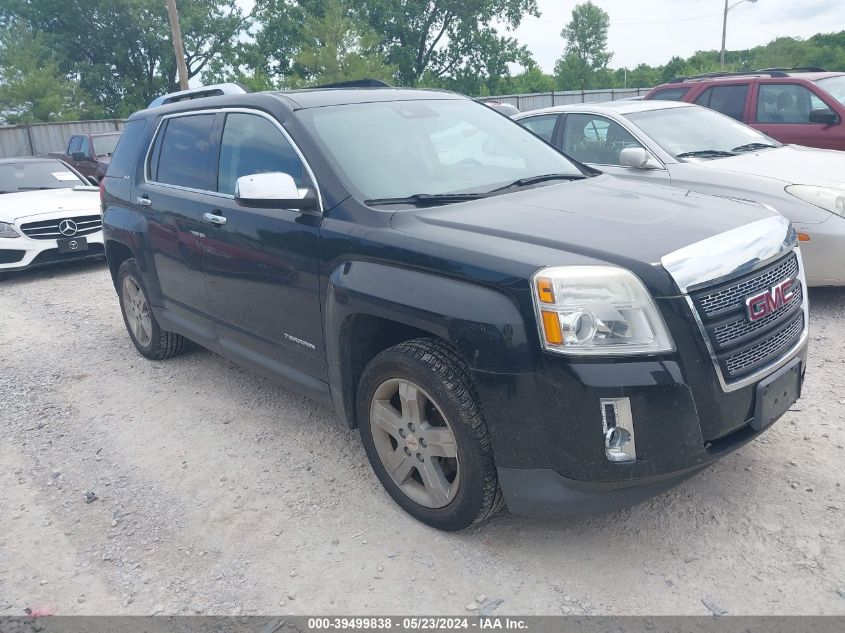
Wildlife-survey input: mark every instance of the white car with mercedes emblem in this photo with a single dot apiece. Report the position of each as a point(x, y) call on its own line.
point(49, 214)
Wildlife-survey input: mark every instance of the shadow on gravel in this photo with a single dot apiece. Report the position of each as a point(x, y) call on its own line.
point(822, 299)
point(63, 269)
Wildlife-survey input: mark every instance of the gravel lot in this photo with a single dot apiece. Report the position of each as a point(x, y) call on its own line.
point(219, 492)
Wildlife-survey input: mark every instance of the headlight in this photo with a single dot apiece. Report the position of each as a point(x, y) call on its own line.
point(597, 310)
point(832, 200)
point(7, 230)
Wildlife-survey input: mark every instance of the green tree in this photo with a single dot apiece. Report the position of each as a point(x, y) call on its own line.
point(338, 47)
point(586, 52)
point(31, 87)
point(120, 50)
point(448, 38)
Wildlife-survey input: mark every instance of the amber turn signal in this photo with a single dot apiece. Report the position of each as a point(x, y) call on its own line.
point(545, 290)
point(803, 237)
point(551, 327)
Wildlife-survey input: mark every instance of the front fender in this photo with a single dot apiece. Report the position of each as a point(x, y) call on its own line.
point(484, 325)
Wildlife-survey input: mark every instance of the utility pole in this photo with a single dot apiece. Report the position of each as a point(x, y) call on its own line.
point(178, 49)
point(725, 27)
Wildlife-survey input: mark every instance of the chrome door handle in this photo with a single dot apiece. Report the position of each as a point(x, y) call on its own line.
point(144, 202)
point(219, 220)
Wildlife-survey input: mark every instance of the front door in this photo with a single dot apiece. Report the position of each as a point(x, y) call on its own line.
point(261, 264)
point(783, 112)
point(599, 141)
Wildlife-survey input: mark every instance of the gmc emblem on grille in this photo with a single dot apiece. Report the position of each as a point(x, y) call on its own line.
point(765, 303)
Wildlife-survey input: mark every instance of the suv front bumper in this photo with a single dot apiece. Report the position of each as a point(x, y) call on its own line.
point(548, 436)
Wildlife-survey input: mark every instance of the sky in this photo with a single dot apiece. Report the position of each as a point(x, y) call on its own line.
point(652, 31)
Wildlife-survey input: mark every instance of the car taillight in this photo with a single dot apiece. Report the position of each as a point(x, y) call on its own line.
point(102, 195)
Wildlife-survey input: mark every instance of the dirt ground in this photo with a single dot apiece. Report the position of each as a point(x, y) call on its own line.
point(218, 492)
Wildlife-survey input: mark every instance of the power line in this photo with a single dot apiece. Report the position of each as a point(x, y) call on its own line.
point(614, 23)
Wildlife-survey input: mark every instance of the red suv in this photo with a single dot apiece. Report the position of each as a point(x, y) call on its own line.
point(802, 106)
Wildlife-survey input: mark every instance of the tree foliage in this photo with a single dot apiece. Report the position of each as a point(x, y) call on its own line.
point(585, 57)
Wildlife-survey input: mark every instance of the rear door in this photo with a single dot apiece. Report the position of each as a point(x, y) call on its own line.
point(261, 264)
point(88, 165)
point(730, 100)
point(180, 172)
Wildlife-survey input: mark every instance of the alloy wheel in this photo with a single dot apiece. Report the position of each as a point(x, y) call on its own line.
point(137, 311)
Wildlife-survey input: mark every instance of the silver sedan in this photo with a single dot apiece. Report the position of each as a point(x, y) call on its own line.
point(697, 149)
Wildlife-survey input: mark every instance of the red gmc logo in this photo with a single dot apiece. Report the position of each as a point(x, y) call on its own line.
point(763, 304)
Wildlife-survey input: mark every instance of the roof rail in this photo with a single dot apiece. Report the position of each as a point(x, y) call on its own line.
point(199, 93)
point(796, 69)
point(746, 73)
point(357, 83)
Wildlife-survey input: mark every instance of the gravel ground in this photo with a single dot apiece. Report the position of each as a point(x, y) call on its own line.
point(211, 490)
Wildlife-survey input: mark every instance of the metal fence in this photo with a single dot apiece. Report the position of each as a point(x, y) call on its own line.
point(525, 102)
point(40, 138)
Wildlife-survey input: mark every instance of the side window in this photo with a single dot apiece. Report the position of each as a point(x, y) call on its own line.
point(73, 146)
point(670, 94)
point(786, 103)
point(184, 153)
point(729, 100)
point(253, 145)
point(595, 139)
point(85, 146)
point(543, 126)
point(125, 155)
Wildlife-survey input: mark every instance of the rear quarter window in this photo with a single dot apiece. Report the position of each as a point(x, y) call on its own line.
point(669, 94)
point(128, 149)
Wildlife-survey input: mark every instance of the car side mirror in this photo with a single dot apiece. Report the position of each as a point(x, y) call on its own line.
point(636, 157)
point(273, 190)
point(79, 156)
point(826, 116)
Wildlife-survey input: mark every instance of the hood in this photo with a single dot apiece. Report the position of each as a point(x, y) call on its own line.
point(626, 223)
point(24, 204)
point(792, 164)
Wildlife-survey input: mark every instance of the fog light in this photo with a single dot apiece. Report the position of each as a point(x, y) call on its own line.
point(618, 428)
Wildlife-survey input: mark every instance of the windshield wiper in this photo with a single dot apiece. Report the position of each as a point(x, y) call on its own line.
point(33, 188)
point(748, 147)
point(705, 153)
point(426, 199)
point(533, 180)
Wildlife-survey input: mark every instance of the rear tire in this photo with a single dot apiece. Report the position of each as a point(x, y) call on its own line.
point(144, 330)
point(425, 436)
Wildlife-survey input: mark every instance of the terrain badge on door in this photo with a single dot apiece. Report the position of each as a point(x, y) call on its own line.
point(299, 341)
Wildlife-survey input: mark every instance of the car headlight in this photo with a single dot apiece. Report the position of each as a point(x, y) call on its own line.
point(827, 198)
point(7, 230)
point(598, 311)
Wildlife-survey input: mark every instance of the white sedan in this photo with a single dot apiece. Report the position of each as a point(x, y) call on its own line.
point(48, 213)
point(690, 147)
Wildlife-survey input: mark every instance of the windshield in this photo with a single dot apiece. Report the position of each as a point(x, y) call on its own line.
point(35, 175)
point(403, 148)
point(834, 86)
point(104, 145)
point(695, 130)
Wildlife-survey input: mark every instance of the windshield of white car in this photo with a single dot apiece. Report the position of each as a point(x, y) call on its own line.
point(834, 86)
point(35, 175)
point(104, 145)
point(695, 132)
point(406, 149)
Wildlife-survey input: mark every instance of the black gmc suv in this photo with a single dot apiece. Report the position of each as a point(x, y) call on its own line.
point(503, 324)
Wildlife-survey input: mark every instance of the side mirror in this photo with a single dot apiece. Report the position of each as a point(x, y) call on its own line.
point(273, 190)
point(636, 157)
point(826, 116)
point(78, 156)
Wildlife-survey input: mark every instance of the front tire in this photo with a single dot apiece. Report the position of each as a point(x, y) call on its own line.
point(425, 436)
point(144, 330)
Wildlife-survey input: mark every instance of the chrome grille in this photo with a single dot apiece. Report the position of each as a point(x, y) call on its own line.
point(49, 229)
point(738, 329)
point(725, 299)
point(741, 346)
point(767, 350)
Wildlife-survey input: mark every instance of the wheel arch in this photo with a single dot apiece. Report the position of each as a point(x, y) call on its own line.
point(370, 307)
